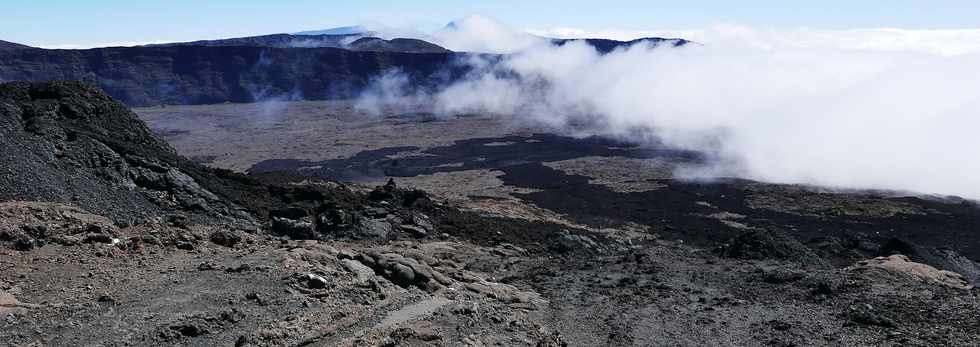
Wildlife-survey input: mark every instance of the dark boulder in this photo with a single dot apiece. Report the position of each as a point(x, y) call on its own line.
point(301, 229)
point(227, 238)
point(769, 244)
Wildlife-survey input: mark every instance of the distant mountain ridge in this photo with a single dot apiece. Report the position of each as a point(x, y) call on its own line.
point(254, 68)
point(354, 42)
point(272, 40)
point(181, 75)
point(374, 44)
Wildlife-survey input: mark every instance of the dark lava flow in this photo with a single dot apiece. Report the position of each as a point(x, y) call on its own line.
point(470, 154)
point(673, 211)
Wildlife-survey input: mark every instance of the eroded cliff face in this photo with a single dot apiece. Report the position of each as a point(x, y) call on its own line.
point(179, 75)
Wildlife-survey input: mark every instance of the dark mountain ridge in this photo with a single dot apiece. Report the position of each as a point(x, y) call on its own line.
point(374, 44)
point(354, 42)
point(147, 76)
point(272, 40)
point(249, 69)
point(606, 45)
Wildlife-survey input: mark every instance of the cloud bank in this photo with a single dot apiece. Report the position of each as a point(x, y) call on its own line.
point(945, 42)
point(896, 110)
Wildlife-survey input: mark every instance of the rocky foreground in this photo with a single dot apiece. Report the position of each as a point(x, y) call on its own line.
point(108, 237)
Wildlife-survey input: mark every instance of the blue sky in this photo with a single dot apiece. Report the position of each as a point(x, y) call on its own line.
point(76, 22)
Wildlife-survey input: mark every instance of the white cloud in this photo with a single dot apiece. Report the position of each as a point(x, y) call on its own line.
point(948, 42)
point(483, 34)
point(885, 109)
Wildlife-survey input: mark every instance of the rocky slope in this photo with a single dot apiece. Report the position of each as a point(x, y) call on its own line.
point(65, 142)
point(216, 258)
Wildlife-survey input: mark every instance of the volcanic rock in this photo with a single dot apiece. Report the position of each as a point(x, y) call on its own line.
point(25, 225)
point(769, 244)
point(296, 229)
point(361, 271)
point(499, 281)
point(70, 143)
point(374, 228)
point(315, 281)
point(227, 238)
point(402, 274)
point(900, 264)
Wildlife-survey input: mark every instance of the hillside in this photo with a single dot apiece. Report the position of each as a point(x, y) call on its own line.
point(108, 236)
point(65, 142)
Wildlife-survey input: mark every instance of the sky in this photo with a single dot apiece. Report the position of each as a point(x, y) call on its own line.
point(74, 23)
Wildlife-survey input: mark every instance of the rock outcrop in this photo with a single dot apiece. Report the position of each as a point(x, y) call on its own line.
point(25, 225)
point(901, 265)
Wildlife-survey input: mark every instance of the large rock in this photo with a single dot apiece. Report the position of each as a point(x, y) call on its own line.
point(363, 273)
point(25, 225)
point(227, 238)
point(760, 244)
point(900, 264)
point(301, 229)
point(402, 270)
point(374, 228)
point(10, 305)
point(941, 257)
